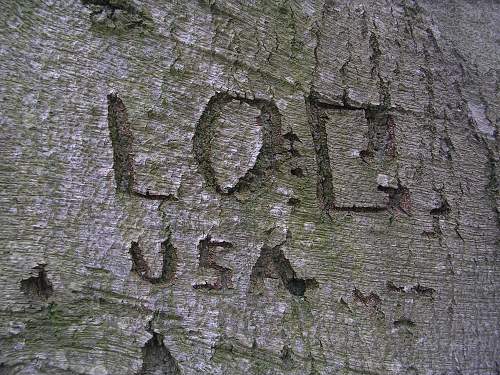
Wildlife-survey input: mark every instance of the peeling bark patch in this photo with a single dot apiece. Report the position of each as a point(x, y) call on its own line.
point(140, 266)
point(157, 359)
point(121, 141)
point(273, 264)
point(208, 250)
point(269, 123)
point(117, 15)
point(478, 117)
point(38, 287)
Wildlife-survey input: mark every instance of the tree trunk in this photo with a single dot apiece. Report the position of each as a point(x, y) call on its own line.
point(257, 187)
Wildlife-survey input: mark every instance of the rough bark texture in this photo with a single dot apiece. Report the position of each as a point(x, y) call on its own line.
point(257, 187)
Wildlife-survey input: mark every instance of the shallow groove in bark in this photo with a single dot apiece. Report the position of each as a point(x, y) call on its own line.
point(381, 134)
point(404, 322)
point(415, 289)
point(155, 197)
point(492, 188)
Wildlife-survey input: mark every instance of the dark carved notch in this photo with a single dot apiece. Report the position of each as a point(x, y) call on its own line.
point(273, 264)
point(208, 249)
point(141, 267)
point(121, 140)
point(270, 121)
point(317, 121)
point(38, 286)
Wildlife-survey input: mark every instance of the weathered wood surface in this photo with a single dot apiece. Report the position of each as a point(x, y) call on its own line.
point(259, 187)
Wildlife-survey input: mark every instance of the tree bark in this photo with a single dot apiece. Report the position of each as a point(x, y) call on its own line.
point(257, 187)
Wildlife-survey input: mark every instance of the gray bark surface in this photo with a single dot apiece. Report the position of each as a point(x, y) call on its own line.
point(249, 187)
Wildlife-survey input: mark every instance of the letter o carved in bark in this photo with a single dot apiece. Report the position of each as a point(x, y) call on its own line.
point(236, 142)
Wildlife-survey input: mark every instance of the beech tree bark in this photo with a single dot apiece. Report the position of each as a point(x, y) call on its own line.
point(249, 187)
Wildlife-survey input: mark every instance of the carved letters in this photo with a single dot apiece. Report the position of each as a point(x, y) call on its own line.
point(351, 143)
point(239, 119)
point(237, 144)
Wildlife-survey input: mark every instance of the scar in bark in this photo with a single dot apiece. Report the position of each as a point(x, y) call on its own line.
point(38, 287)
point(157, 359)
